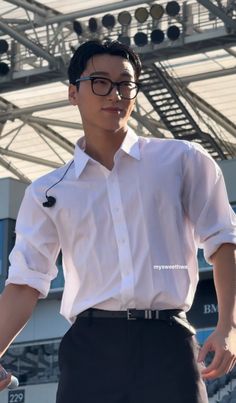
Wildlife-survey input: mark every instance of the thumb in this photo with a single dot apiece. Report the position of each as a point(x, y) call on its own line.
point(206, 348)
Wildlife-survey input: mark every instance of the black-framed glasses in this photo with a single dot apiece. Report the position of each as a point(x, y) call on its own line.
point(103, 86)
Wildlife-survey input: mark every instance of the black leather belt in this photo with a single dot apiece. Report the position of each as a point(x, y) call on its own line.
point(132, 314)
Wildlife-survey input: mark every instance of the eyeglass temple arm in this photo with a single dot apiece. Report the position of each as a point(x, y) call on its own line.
point(83, 79)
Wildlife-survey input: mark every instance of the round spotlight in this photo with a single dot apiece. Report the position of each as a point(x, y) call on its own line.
point(3, 46)
point(140, 39)
point(141, 14)
point(92, 24)
point(172, 8)
point(4, 69)
point(108, 21)
point(156, 11)
point(173, 32)
point(77, 27)
point(124, 39)
point(124, 18)
point(157, 36)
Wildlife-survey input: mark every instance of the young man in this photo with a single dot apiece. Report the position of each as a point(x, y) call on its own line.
point(128, 214)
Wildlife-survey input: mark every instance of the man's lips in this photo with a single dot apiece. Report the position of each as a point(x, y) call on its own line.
point(112, 109)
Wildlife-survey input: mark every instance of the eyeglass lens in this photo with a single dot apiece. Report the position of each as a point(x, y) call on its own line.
point(103, 86)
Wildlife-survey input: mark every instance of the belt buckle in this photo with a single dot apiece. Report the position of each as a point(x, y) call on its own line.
point(134, 314)
point(148, 314)
point(157, 314)
point(130, 313)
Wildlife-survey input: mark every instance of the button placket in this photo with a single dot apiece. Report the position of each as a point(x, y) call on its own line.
point(122, 238)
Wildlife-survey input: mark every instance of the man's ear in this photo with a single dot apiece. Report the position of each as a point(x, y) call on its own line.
point(73, 94)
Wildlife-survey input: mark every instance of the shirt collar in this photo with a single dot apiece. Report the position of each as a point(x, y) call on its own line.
point(80, 157)
point(130, 146)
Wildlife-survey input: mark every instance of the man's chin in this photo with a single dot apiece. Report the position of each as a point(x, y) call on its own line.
point(116, 128)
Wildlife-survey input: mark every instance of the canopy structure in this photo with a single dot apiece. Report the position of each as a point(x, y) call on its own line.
point(188, 50)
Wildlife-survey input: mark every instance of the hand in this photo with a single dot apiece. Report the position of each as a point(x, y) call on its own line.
point(224, 359)
point(5, 378)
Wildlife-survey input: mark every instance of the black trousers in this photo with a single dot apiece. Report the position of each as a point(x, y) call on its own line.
point(121, 361)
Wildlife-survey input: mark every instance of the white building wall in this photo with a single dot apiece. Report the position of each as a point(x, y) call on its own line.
point(45, 323)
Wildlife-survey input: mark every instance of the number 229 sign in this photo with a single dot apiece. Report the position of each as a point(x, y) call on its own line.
point(16, 396)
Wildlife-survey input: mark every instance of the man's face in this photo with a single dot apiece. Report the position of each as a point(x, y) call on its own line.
point(107, 113)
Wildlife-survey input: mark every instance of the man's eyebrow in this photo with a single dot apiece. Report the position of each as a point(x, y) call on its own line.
point(105, 73)
point(99, 73)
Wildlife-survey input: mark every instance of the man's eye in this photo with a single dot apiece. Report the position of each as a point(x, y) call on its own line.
point(100, 81)
point(128, 84)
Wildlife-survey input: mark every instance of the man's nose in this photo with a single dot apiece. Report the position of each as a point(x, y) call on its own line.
point(114, 92)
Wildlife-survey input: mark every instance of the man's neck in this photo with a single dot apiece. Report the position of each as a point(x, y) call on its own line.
point(103, 146)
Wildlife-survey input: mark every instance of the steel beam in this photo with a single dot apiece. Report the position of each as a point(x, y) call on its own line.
point(29, 158)
point(228, 21)
point(18, 112)
point(10, 167)
point(207, 76)
point(30, 7)
point(37, 50)
point(55, 122)
point(54, 136)
point(148, 124)
point(39, 128)
point(17, 21)
point(210, 111)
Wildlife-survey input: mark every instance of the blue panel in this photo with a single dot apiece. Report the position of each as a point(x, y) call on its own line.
point(58, 282)
point(201, 261)
point(202, 334)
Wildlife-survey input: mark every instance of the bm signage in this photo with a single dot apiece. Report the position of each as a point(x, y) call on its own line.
point(210, 308)
point(204, 311)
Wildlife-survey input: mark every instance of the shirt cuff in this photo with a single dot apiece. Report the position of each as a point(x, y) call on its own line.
point(214, 242)
point(21, 273)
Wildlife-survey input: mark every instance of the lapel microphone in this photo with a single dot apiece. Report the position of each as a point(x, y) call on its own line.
point(51, 200)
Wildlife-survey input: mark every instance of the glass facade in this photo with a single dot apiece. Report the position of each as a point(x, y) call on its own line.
point(33, 364)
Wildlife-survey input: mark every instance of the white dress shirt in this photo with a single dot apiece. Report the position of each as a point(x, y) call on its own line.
point(129, 236)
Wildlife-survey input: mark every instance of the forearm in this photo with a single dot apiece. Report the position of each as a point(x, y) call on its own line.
point(224, 271)
point(16, 306)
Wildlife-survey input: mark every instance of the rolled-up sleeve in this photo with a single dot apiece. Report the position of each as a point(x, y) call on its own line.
point(33, 258)
point(206, 201)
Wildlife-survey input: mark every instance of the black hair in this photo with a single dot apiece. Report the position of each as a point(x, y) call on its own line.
point(89, 49)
